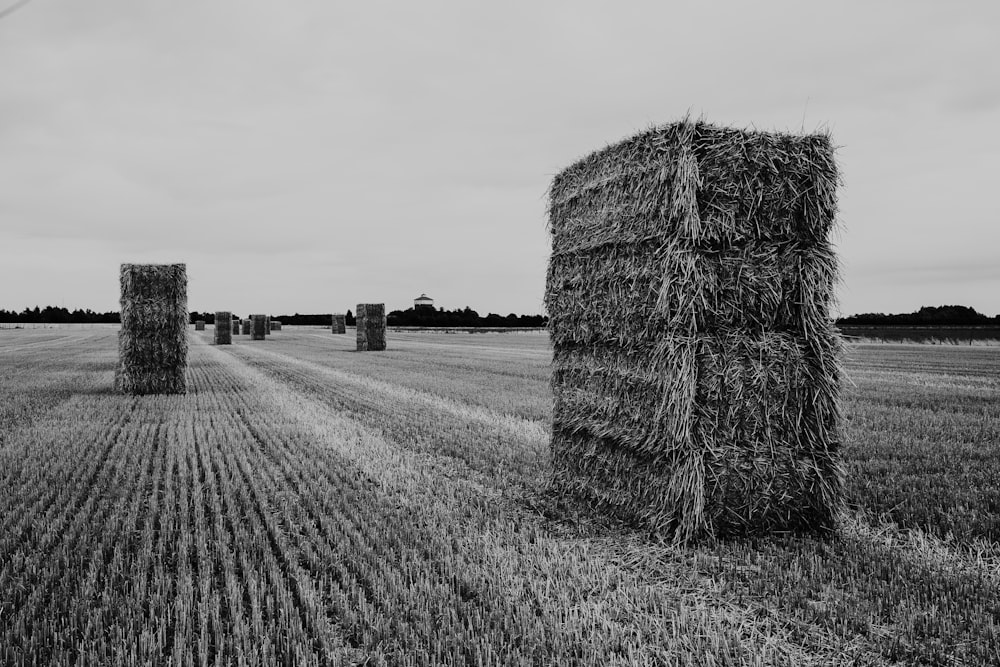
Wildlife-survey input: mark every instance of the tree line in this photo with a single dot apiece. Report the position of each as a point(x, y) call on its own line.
point(467, 317)
point(928, 316)
point(411, 317)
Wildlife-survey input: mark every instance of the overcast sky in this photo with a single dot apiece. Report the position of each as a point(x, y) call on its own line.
point(305, 156)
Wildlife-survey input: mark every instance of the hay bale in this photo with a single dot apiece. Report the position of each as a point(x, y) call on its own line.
point(152, 342)
point(275, 325)
point(247, 326)
point(236, 327)
point(223, 330)
point(371, 326)
point(339, 323)
point(267, 325)
point(259, 329)
point(696, 369)
point(199, 325)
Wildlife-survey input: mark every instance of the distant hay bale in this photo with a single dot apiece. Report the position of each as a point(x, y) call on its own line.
point(275, 325)
point(259, 329)
point(696, 369)
point(199, 325)
point(339, 324)
point(236, 327)
point(152, 342)
point(247, 326)
point(223, 332)
point(371, 326)
point(267, 325)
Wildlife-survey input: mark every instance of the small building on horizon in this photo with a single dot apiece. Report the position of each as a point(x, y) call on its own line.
point(423, 301)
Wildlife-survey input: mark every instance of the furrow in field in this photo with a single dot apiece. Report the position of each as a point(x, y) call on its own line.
point(63, 547)
point(509, 385)
point(434, 543)
point(490, 443)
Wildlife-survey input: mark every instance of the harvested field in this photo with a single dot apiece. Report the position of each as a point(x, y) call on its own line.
point(306, 504)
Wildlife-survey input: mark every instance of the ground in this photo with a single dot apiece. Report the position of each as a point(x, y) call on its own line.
point(308, 504)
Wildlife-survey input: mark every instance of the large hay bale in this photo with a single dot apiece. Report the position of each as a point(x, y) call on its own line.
point(247, 326)
point(275, 325)
point(152, 342)
point(371, 326)
point(223, 330)
point(696, 369)
point(267, 325)
point(339, 323)
point(199, 325)
point(259, 327)
point(236, 327)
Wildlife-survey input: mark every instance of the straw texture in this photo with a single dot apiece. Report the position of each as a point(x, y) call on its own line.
point(236, 327)
point(223, 328)
point(258, 327)
point(696, 369)
point(275, 325)
point(371, 326)
point(247, 326)
point(199, 325)
point(152, 342)
point(339, 323)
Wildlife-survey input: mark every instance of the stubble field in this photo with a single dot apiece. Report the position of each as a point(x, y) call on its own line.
point(307, 504)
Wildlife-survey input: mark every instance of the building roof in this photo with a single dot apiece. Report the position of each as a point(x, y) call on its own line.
point(423, 297)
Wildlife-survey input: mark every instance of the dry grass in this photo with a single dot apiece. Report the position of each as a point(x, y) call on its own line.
point(152, 342)
point(223, 330)
point(696, 370)
point(259, 327)
point(371, 326)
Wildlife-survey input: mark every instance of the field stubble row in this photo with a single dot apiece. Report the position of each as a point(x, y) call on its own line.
point(306, 504)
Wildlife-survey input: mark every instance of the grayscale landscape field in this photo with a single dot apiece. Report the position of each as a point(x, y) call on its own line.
point(306, 504)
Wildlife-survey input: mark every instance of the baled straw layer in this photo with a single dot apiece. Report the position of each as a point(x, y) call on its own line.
point(259, 327)
point(696, 369)
point(152, 342)
point(247, 326)
point(371, 326)
point(339, 323)
point(223, 327)
point(275, 325)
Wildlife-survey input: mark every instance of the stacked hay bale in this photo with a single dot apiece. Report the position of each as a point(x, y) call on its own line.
point(267, 325)
point(696, 369)
point(275, 325)
point(236, 327)
point(371, 326)
point(223, 330)
point(199, 325)
point(259, 329)
point(339, 323)
point(247, 326)
point(152, 342)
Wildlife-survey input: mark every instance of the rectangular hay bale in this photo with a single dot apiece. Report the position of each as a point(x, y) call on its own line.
point(236, 327)
point(371, 326)
point(696, 369)
point(223, 327)
point(275, 325)
point(259, 327)
point(199, 325)
point(247, 326)
point(152, 341)
point(339, 323)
